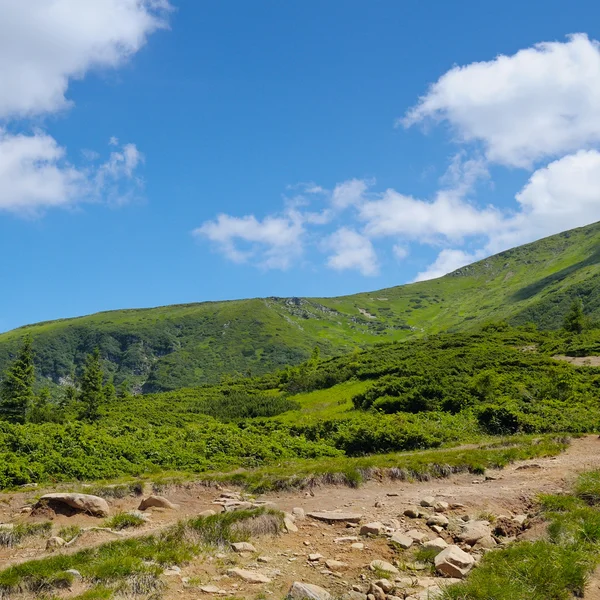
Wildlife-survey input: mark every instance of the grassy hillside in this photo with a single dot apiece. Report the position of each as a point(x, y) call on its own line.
point(185, 345)
point(427, 393)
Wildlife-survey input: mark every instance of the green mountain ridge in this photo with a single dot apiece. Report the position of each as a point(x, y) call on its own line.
point(187, 345)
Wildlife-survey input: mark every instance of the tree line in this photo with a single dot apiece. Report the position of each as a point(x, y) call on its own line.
point(21, 403)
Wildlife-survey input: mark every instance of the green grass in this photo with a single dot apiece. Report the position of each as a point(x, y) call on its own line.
point(124, 521)
point(133, 566)
point(179, 346)
point(69, 532)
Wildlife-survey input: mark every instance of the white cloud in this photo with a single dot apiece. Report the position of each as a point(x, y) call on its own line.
point(272, 243)
point(540, 102)
point(448, 260)
point(46, 43)
point(35, 175)
point(351, 250)
point(349, 193)
point(400, 252)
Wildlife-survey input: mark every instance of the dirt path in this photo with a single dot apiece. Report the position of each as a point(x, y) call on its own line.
point(506, 492)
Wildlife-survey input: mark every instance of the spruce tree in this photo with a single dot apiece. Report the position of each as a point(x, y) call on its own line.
point(110, 393)
point(16, 390)
point(40, 411)
point(575, 319)
point(91, 395)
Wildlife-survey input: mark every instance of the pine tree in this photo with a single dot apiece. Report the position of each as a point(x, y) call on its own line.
point(92, 391)
point(40, 408)
point(110, 393)
point(575, 319)
point(16, 391)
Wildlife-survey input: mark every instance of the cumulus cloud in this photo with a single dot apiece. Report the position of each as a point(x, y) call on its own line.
point(352, 251)
point(541, 102)
point(349, 193)
point(46, 43)
point(271, 243)
point(35, 175)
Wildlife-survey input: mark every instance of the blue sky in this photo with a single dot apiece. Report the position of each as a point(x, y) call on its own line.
point(155, 153)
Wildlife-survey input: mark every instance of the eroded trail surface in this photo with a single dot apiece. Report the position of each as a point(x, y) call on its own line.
point(284, 559)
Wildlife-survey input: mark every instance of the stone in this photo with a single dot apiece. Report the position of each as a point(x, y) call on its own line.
point(55, 542)
point(375, 528)
point(385, 584)
point(172, 571)
point(417, 536)
point(263, 559)
point(412, 513)
point(438, 543)
point(439, 520)
point(299, 513)
point(249, 576)
point(209, 589)
point(473, 531)
point(335, 517)
point(354, 595)
point(376, 592)
point(384, 566)
point(453, 562)
point(307, 591)
point(485, 543)
point(441, 506)
point(437, 529)
point(336, 565)
point(207, 513)
point(75, 573)
point(290, 526)
point(93, 505)
point(402, 540)
point(315, 557)
point(520, 519)
point(347, 538)
point(156, 502)
point(243, 547)
point(428, 501)
point(357, 546)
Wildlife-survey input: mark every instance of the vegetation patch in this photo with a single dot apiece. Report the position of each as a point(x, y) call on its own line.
point(13, 536)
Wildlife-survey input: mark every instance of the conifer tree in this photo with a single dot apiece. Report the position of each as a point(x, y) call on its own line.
point(91, 395)
point(40, 408)
point(575, 319)
point(110, 393)
point(16, 390)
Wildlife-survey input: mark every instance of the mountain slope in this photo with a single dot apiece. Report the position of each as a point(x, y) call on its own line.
point(183, 345)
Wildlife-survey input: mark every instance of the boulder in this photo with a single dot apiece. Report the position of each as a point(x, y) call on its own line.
point(298, 513)
point(307, 591)
point(402, 540)
point(357, 546)
point(375, 528)
point(243, 547)
point(485, 543)
point(385, 584)
point(55, 542)
point(376, 592)
point(473, 531)
point(439, 520)
point(386, 567)
point(428, 501)
point(249, 576)
point(156, 502)
point(412, 513)
point(441, 506)
point(93, 505)
point(290, 526)
point(335, 517)
point(453, 562)
point(315, 557)
point(439, 544)
point(417, 536)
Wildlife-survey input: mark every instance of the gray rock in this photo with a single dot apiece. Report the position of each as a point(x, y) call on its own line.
point(439, 520)
point(473, 531)
point(156, 502)
point(375, 528)
point(441, 506)
point(412, 513)
point(428, 501)
point(298, 513)
point(402, 540)
point(417, 535)
point(243, 547)
point(336, 565)
point(439, 544)
point(453, 562)
point(55, 542)
point(307, 591)
point(249, 576)
point(335, 517)
point(290, 526)
point(384, 566)
point(75, 573)
point(93, 505)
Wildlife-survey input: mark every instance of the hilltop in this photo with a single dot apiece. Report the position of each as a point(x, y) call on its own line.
point(178, 346)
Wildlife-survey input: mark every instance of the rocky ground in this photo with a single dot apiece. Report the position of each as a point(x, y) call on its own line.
point(384, 540)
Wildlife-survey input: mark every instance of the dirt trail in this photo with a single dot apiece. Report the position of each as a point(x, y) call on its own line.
point(505, 492)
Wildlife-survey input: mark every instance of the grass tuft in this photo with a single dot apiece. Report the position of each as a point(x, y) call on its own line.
point(124, 521)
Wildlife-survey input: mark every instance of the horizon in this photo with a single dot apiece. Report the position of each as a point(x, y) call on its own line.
point(185, 154)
